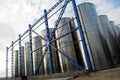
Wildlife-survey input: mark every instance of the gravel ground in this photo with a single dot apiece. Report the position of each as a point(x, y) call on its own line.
point(112, 74)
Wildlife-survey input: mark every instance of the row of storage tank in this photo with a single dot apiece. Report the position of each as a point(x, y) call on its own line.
point(102, 39)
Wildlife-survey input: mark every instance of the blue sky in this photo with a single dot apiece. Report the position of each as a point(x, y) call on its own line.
point(15, 15)
point(117, 2)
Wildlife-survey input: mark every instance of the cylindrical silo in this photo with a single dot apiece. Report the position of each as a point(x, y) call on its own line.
point(116, 38)
point(91, 28)
point(115, 31)
point(27, 61)
point(105, 26)
point(112, 27)
point(16, 63)
point(118, 34)
point(78, 46)
point(22, 61)
point(46, 58)
point(66, 45)
point(115, 41)
point(37, 55)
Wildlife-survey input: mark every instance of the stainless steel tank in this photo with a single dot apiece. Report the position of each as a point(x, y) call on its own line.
point(37, 55)
point(66, 45)
point(22, 61)
point(91, 28)
point(16, 63)
point(112, 28)
point(27, 61)
point(46, 58)
point(115, 39)
point(78, 46)
point(109, 38)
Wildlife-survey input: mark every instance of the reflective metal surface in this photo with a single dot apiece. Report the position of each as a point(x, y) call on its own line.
point(112, 28)
point(46, 58)
point(108, 34)
point(23, 61)
point(91, 28)
point(37, 54)
point(27, 61)
point(16, 63)
point(66, 45)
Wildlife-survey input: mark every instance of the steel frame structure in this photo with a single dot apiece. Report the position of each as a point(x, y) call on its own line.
point(49, 40)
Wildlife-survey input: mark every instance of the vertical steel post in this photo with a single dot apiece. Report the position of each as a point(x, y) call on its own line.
point(20, 61)
point(31, 54)
point(48, 43)
point(6, 63)
point(82, 35)
point(12, 60)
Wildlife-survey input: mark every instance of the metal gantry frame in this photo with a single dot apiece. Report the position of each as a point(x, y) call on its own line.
point(6, 63)
point(12, 60)
point(30, 54)
point(20, 61)
point(49, 41)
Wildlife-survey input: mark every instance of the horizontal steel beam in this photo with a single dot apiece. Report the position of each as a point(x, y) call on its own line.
point(39, 48)
point(18, 38)
point(39, 35)
point(59, 2)
point(64, 35)
point(68, 58)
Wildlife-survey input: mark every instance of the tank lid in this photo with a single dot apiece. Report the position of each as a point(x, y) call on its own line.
point(86, 3)
point(103, 15)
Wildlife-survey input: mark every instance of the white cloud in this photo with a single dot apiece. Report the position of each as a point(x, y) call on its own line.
point(114, 15)
point(18, 13)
